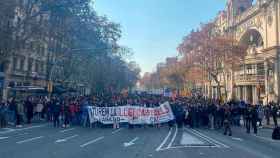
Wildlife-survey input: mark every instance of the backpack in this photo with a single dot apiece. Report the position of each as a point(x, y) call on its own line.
point(276, 133)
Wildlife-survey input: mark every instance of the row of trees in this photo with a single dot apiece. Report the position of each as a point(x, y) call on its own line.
point(81, 46)
point(204, 56)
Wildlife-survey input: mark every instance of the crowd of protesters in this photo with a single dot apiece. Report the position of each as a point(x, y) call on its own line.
point(65, 110)
point(195, 112)
point(198, 112)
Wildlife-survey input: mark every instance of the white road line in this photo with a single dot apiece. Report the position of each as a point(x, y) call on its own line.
point(131, 142)
point(1, 138)
point(116, 131)
point(220, 143)
point(164, 141)
point(173, 138)
point(92, 141)
point(191, 146)
point(66, 139)
point(205, 139)
point(66, 130)
point(22, 129)
point(238, 139)
point(264, 138)
point(29, 140)
point(21, 134)
point(188, 139)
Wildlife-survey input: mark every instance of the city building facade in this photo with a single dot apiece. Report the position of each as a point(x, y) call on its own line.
point(255, 24)
point(26, 66)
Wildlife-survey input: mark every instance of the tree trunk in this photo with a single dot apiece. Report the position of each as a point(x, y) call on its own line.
point(225, 86)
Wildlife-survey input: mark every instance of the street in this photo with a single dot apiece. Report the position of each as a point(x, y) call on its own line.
point(44, 141)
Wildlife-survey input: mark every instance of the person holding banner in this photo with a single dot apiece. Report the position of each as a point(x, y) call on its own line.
point(116, 124)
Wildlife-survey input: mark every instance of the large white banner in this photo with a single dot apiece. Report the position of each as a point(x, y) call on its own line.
point(131, 114)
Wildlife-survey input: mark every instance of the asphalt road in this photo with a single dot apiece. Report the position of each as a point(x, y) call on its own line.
point(44, 141)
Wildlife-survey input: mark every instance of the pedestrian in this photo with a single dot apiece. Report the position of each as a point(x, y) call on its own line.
point(255, 119)
point(29, 109)
point(12, 111)
point(3, 112)
point(66, 111)
point(248, 117)
point(56, 110)
point(211, 112)
point(227, 121)
point(274, 115)
point(267, 113)
point(261, 114)
point(19, 114)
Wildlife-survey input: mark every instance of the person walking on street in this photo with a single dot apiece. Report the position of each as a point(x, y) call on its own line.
point(3, 112)
point(267, 113)
point(255, 119)
point(260, 110)
point(19, 114)
point(274, 115)
point(56, 109)
point(66, 113)
point(12, 109)
point(29, 110)
point(248, 117)
point(227, 121)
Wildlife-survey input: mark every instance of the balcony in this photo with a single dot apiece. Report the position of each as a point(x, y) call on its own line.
point(249, 78)
point(250, 11)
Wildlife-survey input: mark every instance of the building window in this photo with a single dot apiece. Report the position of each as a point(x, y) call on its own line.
point(30, 64)
point(260, 69)
point(42, 67)
point(14, 63)
point(22, 64)
point(2, 67)
point(37, 66)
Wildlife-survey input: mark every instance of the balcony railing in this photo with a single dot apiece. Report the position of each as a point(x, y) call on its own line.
point(250, 78)
point(247, 13)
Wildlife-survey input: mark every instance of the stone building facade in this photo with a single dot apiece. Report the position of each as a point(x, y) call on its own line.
point(25, 67)
point(255, 24)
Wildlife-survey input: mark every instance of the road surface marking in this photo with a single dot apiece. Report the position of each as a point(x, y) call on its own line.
point(29, 140)
point(220, 143)
point(238, 139)
point(21, 129)
point(92, 141)
point(173, 138)
point(1, 138)
point(188, 139)
point(264, 138)
point(66, 139)
point(66, 130)
point(21, 134)
point(203, 138)
point(116, 131)
point(8, 129)
point(191, 146)
point(131, 142)
point(164, 141)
